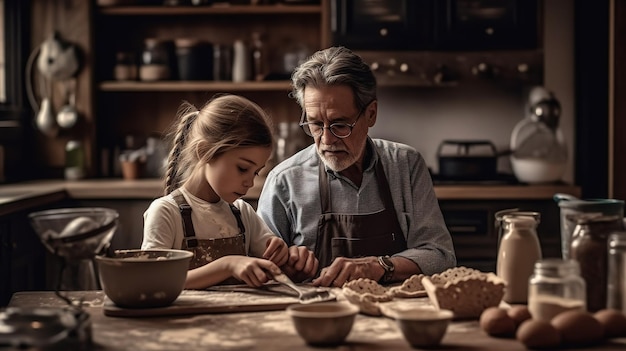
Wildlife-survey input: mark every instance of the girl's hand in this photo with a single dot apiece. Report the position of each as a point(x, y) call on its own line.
point(276, 251)
point(302, 264)
point(251, 270)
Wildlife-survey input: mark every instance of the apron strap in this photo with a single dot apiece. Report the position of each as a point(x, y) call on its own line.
point(242, 228)
point(324, 189)
point(185, 212)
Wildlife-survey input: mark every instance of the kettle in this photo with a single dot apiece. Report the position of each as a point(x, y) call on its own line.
point(539, 153)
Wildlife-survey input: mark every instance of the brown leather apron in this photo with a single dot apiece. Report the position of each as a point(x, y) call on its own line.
point(357, 235)
point(208, 250)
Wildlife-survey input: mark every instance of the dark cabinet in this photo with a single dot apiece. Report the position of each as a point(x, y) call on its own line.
point(22, 257)
point(382, 24)
point(436, 24)
point(486, 24)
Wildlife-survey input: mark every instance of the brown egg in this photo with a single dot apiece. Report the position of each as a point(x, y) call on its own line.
point(519, 313)
point(613, 321)
point(578, 328)
point(496, 322)
point(538, 334)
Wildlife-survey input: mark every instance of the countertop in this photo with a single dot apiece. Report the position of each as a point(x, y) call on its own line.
point(22, 195)
point(268, 330)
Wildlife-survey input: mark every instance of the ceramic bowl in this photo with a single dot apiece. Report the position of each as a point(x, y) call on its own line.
point(325, 323)
point(143, 278)
point(423, 327)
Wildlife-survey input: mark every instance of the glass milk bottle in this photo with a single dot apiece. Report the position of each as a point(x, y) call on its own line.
point(519, 250)
point(555, 286)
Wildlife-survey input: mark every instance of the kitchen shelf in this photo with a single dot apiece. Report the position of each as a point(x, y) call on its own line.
point(210, 10)
point(136, 86)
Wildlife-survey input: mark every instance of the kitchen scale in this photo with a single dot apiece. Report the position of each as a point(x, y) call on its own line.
point(74, 236)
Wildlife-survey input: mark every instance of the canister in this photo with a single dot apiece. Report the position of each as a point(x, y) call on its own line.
point(156, 62)
point(616, 287)
point(194, 59)
point(571, 207)
point(589, 248)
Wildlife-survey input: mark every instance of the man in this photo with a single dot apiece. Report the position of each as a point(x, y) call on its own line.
point(366, 207)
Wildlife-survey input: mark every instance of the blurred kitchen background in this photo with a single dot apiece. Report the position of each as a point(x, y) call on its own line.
point(448, 69)
point(88, 89)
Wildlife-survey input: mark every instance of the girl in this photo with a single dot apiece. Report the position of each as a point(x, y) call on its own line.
point(216, 154)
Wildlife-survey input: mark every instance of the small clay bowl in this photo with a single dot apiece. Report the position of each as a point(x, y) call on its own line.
point(324, 323)
point(423, 327)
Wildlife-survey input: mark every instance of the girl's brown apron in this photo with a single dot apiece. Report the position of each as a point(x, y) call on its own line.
point(357, 235)
point(208, 250)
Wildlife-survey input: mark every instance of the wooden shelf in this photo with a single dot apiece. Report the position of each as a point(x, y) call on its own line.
point(136, 86)
point(210, 10)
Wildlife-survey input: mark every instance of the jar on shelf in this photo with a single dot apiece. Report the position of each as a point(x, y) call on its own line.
point(74, 160)
point(125, 66)
point(518, 251)
point(589, 248)
point(555, 286)
point(156, 60)
point(616, 297)
point(194, 59)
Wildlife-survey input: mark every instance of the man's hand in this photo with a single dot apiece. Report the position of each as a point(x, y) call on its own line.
point(345, 269)
point(301, 264)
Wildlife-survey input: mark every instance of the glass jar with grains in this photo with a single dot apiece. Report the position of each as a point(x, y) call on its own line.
point(554, 287)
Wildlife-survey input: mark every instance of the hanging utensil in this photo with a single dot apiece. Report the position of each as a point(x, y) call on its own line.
point(45, 119)
point(68, 115)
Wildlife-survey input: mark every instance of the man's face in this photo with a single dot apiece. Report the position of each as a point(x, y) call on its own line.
point(335, 104)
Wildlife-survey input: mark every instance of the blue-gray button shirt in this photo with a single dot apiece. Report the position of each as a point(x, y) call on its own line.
point(290, 201)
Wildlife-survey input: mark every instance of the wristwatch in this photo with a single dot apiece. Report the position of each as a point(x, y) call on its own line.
point(387, 264)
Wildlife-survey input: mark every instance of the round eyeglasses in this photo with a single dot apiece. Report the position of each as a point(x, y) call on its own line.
point(340, 130)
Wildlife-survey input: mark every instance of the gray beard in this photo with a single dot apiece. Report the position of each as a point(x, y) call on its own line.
point(338, 166)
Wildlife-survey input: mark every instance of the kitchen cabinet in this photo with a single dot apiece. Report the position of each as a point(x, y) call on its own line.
point(148, 108)
point(486, 25)
point(475, 235)
point(25, 264)
point(436, 24)
point(384, 25)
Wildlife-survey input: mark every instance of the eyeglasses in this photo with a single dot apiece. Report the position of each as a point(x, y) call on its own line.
point(340, 130)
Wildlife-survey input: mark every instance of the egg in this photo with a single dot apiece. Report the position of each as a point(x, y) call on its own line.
point(496, 322)
point(613, 321)
point(519, 313)
point(538, 334)
point(578, 328)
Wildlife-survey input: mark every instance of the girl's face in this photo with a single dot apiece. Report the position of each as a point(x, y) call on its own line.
point(231, 174)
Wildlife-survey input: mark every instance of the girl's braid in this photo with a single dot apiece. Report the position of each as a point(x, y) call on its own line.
point(171, 173)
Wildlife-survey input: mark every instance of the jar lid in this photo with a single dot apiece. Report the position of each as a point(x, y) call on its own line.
point(522, 221)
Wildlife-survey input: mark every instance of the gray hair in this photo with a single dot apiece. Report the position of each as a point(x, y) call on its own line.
point(335, 66)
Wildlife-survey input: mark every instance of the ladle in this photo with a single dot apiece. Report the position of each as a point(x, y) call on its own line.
point(67, 116)
point(45, 119)
point(305, 296)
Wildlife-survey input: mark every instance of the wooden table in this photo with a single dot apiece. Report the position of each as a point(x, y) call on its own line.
point(254, 330)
